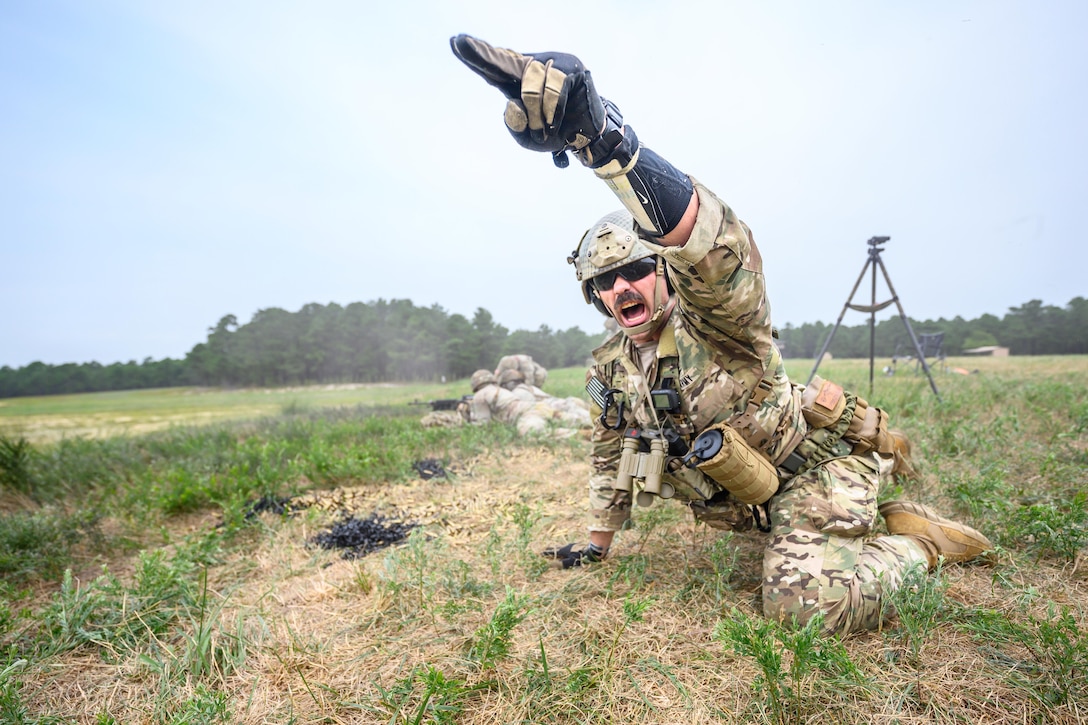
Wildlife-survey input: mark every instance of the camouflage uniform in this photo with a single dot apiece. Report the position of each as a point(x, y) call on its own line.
point(530, 394)
point(567, 411)
point(442, 419)
point(563, 411)
point(534, 372)
point(493, 402)
point(514, 381)
point(717, 352)
point(541, 417)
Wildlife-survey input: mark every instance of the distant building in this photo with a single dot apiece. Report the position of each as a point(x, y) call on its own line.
point(991, 350)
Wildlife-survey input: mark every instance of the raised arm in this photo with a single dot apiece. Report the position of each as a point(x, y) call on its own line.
point(552, 106)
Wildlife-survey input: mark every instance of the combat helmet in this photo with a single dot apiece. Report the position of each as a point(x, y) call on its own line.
point(510, 378)
point(612, 242)
point(481, 378)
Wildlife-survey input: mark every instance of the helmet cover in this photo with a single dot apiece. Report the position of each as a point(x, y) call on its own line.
point(480, 378)
point(609, 244)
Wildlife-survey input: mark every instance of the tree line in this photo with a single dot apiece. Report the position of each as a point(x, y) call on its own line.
point(380, 341)
point(396, 341)
point(1030, 329)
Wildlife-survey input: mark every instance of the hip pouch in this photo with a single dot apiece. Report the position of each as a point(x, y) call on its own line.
point(868, 431)
point(823, 404)
point(725, 457)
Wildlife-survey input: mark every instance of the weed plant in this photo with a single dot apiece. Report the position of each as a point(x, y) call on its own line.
point(491, 643)
point(918, 607)
point(1045, 655)
point(817, 666)
point(14, 464)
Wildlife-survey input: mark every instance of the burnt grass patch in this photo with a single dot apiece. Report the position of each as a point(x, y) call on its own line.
point(429, 468)
point(279, 505)
point(358, 537)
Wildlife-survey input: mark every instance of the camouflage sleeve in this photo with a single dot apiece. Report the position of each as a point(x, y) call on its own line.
point(608, 509)
point(480, 411)
point(718, 277)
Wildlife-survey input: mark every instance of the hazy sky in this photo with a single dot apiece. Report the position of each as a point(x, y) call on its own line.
point(163, 164)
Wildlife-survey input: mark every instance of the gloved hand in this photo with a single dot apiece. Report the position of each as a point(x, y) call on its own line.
point(552, 104)
point(569, 557)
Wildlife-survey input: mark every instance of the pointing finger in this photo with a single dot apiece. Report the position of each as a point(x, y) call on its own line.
point(500, 67)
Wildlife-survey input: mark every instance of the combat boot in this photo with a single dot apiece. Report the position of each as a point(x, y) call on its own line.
point(937, 535)
point(901, 448)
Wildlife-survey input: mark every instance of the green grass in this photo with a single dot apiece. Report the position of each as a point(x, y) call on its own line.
point(130, 564)
point(50, 418)
point(143, 481)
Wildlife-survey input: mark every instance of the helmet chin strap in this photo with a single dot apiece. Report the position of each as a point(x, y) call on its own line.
point(663, 304)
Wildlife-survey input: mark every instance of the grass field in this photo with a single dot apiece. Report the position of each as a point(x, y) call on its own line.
point(47, 419)
point(141, 585)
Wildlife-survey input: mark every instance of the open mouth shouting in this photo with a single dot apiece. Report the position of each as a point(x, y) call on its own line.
point(630, 308)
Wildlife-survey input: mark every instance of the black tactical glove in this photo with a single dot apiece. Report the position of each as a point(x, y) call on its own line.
point(554, 107)
point(552, 104)
point(568, 556)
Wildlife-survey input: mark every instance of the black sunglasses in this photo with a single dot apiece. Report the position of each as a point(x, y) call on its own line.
point(631, 272)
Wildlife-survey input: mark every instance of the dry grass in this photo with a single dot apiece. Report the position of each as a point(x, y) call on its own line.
point(325, 634)
point(47, 419)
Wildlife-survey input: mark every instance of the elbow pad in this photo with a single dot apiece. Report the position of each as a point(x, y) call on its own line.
point(653, 190)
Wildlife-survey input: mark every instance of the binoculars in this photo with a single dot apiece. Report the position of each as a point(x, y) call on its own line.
point(643, 466)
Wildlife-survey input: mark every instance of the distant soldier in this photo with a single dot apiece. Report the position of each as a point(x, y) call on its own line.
point(571, 411)
point(492, 402)
point(532, 371)
point(514, 381)
point(548, 416)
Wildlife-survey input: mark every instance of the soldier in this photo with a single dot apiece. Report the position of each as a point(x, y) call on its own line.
point(514, 381)
point(490, 401)
point(691, 399)
point(533, 372)
point(568, 411)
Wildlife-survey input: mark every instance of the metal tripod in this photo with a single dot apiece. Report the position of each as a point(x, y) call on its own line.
point(874, 260)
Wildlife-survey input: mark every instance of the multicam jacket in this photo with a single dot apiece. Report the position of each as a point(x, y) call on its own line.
point(492, 402)
point(716, 351)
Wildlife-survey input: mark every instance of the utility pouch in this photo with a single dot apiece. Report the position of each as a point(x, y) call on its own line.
point(868, 430)
point(822, 402)
point(724, 456)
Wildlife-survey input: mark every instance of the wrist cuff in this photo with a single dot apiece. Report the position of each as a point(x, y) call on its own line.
point(655, 192)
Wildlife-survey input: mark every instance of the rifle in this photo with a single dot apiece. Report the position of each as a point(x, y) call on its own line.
point(443, 403)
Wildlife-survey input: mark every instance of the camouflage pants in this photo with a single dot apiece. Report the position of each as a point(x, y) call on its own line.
point(549, 417)
point(818, 559)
